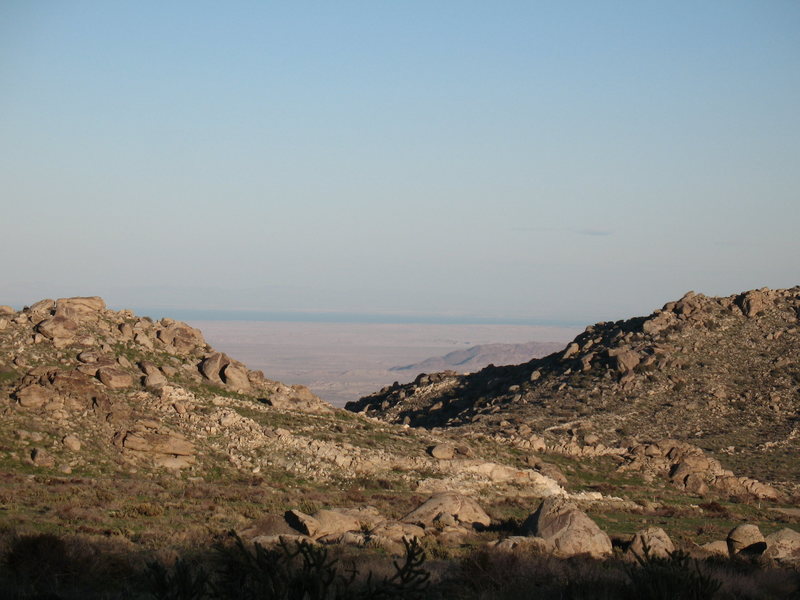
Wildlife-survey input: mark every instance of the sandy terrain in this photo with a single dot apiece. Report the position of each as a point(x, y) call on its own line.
point(344, 361)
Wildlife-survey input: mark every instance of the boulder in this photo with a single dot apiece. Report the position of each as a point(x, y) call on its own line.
point(397, 531)
point(783, 545)
point(716, 548)
point(153, 377)
point(71, 443)
point(6, 310)
point(752, 302)
point(624, 359)
point(79, 308)
point(448, 508)
point(34, 396)
point(235, 377)
point(180, 336)
point(746, 539)
point(41, 458)
point(333, 523)
point(59, 329)
point(652, 541)
point(443, 451)
point(42, 307)
point(570, 529)
point(149, 437)
point(211, 367)
point(114, 378)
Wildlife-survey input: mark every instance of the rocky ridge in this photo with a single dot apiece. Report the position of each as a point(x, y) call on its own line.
point(719, 374)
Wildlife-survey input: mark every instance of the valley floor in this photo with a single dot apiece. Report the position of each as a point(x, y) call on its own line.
point(341, 362)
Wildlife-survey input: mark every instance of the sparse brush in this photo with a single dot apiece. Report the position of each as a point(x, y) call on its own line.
point(676, 575)
point(185, 581)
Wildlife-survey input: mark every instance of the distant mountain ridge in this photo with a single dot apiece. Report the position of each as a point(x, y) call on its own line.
point(477, 357)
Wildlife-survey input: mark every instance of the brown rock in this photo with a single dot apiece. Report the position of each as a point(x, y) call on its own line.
point(71, 443)
point(235, 377)
point(571, 530)
point(180, 336)
point(397, 531)
point(783, 545)
point(212, 366)
point(154, 378)
point(41, 458)
point(448, 508)
point(58, 329)
point(42, 307)
point(6, 310)
point(114, 378)
point(79, 308)
point(34, 396)
point(752, 302)
point(652, 541)
point(624, 360)
point(746, 539)
point(158, 442)
point(443, 451)
point(717, 548)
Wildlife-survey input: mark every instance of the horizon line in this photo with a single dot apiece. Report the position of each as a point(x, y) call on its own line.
point(287, 316)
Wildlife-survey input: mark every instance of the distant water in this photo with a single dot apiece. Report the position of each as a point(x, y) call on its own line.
point(184, 314)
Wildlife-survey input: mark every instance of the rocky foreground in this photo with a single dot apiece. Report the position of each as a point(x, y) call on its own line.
point(136, 437)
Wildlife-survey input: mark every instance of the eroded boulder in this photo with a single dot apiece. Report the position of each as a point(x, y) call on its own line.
point(570, 530)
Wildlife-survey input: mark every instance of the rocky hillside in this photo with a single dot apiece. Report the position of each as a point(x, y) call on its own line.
point(134, 441)
point(478, 357)
point(721, 373)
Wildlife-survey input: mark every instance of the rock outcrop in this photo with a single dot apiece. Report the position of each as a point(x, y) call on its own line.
point(571, 532)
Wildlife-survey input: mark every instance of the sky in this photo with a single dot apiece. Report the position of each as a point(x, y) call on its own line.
point(540, 161)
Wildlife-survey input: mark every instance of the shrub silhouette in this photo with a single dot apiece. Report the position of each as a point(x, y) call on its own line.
point(676, 575)
point(304, 571)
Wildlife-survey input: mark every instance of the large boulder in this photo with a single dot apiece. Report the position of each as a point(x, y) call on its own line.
point(235, 377)
point(752, 302)
point(34, 396)
point(448, 508)
point(180, 336)
point(570, 529)
point(79, 308)
point(746, 539)
point(153, 377)
point(211, 367)
point(114, 378)
point(783, 545)
point(151, 437)
point(652, 541)
point(61, 330)
point(333, 523)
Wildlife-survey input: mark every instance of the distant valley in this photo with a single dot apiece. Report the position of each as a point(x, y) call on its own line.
point(342, 362)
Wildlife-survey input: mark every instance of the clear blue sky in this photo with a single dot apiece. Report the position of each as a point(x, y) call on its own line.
point(573, 161)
